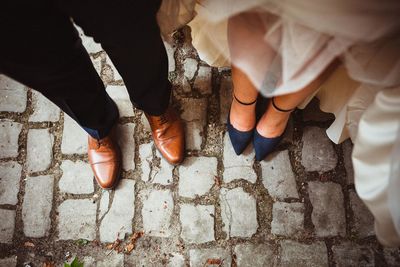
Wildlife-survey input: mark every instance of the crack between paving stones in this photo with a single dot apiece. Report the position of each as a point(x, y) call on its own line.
point(230, 213)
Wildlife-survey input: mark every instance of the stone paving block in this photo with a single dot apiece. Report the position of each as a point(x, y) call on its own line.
point(287, 219)
point(75, 139)
point(121, 97)
point(176, 260)
point(104, 203)
point(10, 175)
point(118, 220)
point(126, 141)
point(278, 177)
point(90, 45)
point(348, 164)
point(317, 153)
point(193, 134)
point(349, 254)
point(13, 95)
point(9, 262)
point(116, 75)
point(146, 157)
point(190, 67)
point(36, 208)
point(145, 123)
point(238, 167)
point(162, 173)
point(328, 214)
point(363, 219)
point(39, 150)
point(225, 97)
point(239, 213)
point(183, 83)
point(97, 64)
point(255, 255)
point(7, 226)
point(194, 110)
point(197, 223)
point(77, 219)
point(199, 257)
point(43, 109)
point(77, 177)
point(313, 113)
point(114, 259)
point(303, 255)
point(157, 212)
point(170, 53)
point(392, 256)
point(203, 80)
point(197, 176)
point(9, 134)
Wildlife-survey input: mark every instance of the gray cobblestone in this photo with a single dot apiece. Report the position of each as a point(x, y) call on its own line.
point(238, 167)
point(145, 123)
point(199, 257)
point(97, 64)
point(250, 255)
point(162, 173)
point(239, 213)
point(37, 206)
point(278, 177)
point(90, 45)
point(194, 110)
point(9, 262)
point(190, 67)
point(39, 150)
point(196, 176)
point(10, 174)
point(118, 220)
point(302, 255)
point(121, 97)
point(363, 219)
point(104, 203)
point(126, 141)
point(13, 95)
point(327, 221)
point(203, 80)
point(157, 211)
point(348, 164)
point(7, 226)
point(193, 133)
point(349, 254)
point(77, 219)
point(9, 134)
point(197, 223)
point(43, 109)
point(225, 96)
point(288, 219)
point(317, 153)
point(146, 157)
point(77, 177)
point(74, 140)
point(170, 53)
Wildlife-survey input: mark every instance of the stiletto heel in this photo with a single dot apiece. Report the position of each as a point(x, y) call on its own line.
point(239, 139)
point(263, 146)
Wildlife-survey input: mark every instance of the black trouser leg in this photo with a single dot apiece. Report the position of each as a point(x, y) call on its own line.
point(129, 33)
point(43, 51)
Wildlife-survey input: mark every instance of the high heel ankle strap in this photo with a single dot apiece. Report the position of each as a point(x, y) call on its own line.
point(278, 108)
point(243, 103)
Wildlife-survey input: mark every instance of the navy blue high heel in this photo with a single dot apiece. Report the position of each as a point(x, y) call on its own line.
point(263, 146)
point(239, 139)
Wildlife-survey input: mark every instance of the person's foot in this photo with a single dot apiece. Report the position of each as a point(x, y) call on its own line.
point(168, 135)
point(243, 117)
point(273, 122)
point(105, 160)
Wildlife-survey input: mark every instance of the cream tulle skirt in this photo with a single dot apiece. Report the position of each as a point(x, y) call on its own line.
point(284, 45)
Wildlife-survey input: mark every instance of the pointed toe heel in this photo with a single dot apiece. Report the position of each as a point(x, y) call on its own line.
point(263, 146)
point(240, 140)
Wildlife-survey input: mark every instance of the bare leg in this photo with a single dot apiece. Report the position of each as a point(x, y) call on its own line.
point(243, 117)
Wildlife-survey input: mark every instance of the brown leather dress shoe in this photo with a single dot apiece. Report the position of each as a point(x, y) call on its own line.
point(168, 135)
point(105, 160)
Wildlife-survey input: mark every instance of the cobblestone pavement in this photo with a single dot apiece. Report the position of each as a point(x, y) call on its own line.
point(296, 208)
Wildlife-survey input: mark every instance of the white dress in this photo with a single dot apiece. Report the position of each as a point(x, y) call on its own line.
point(284, 45)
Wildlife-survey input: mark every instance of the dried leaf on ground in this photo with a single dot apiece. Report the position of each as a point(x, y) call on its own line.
point(29, 244)
point(217, 262)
